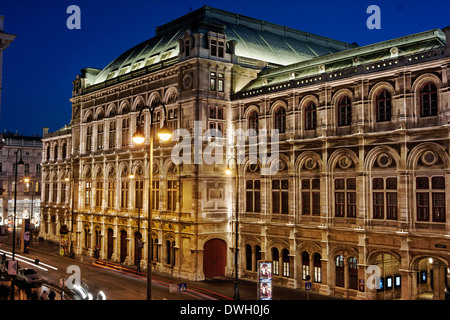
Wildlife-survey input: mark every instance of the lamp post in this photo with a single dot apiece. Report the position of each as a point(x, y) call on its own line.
point(72, 185)
point(18, 162)
point(139, 138)
point(139, 242)
point(30, 182)
point(228, 171)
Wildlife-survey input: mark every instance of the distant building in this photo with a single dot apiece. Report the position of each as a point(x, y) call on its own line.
point(56, 169)
point(28, 179)
point(361, 182)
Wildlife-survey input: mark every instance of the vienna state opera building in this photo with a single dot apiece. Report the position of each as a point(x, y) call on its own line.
point(362, 158)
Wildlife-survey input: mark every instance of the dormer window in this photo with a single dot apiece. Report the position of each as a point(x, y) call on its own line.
point(217, 48)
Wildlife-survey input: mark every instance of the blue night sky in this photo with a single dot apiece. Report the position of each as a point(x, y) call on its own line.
point(39, 66)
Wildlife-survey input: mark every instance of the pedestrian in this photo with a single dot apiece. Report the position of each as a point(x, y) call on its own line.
point(52, 295)
point(44, 295)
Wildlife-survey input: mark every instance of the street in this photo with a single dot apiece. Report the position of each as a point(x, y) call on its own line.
point(121, 283)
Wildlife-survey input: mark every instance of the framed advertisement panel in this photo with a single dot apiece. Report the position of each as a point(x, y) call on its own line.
point(265, 289)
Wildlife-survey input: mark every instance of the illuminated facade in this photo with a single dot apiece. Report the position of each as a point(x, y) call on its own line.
point(363, 157)
point(28, 191)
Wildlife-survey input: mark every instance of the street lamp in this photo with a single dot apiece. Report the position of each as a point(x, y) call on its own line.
point(16, 168)
point(139, 201)
point(228, 171)
point(72, 185)
point(30, 182)
point(164, 134)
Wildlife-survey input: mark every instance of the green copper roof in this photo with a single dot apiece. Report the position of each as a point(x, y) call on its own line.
point(404, 46)
point(256, 39)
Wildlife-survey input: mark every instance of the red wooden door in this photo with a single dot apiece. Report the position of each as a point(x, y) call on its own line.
point(214, 258)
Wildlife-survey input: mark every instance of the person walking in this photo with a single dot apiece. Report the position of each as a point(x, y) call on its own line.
point(52, 295)
point(44, 295)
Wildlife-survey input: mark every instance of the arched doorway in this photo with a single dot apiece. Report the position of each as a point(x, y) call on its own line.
point(430, 278)
point(123, 245)
point(390, 281)
point(214, 258)
point(110, 244)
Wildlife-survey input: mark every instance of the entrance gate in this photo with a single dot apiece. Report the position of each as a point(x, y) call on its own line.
point(214, 258)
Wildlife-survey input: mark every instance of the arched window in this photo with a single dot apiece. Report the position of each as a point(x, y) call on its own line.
point(55, 154)
point(170, 247)
point(384, 106)
point(428, 100)
point(253, 120)
point(86, 237)
point(310, 116)
point(344, 111)
point(276, 261)
point(48, 152)
point(64, 151)
point(317, 267)
point(280, 120)
point(353, 273)
point(305, 265)
point(286, 264)
point(339, 271)
point(88, 138)
point(257, 253)
point(248, 256)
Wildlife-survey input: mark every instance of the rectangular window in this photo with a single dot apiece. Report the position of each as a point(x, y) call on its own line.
point(423, 206)
point(111, 194)
point(99, 194)
point(384, 198)
point(88, 139)
point(112, 135)
point(253, 195)
point(138, 192)
point(63, 193)
point(214, 47)
point(430, 201)
point(155, 195)
point(220, 82)
point(55, 192)
point(171, 195)
point(345, 197)
point(124, 195)
point(125, 132)
point(212, 81)
point(310, 196)
point(280, 196)
point(100, 137)
point(47, 192)
point(88, 193)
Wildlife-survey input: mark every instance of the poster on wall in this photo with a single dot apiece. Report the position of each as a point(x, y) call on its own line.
point(264, 280)
point(26, 235)
point(64, 244)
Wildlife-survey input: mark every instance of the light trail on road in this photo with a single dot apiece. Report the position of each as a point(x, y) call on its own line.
point(30, 261)
point(197, 292)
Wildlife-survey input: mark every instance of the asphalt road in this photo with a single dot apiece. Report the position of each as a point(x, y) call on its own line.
point(119, 284)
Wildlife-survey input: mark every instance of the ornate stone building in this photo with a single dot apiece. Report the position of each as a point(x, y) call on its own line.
point(362, 175)
point(28, 179)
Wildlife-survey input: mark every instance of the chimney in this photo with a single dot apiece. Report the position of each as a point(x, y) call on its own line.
point(446, 31)
point(44, 131)
point(2, 29)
